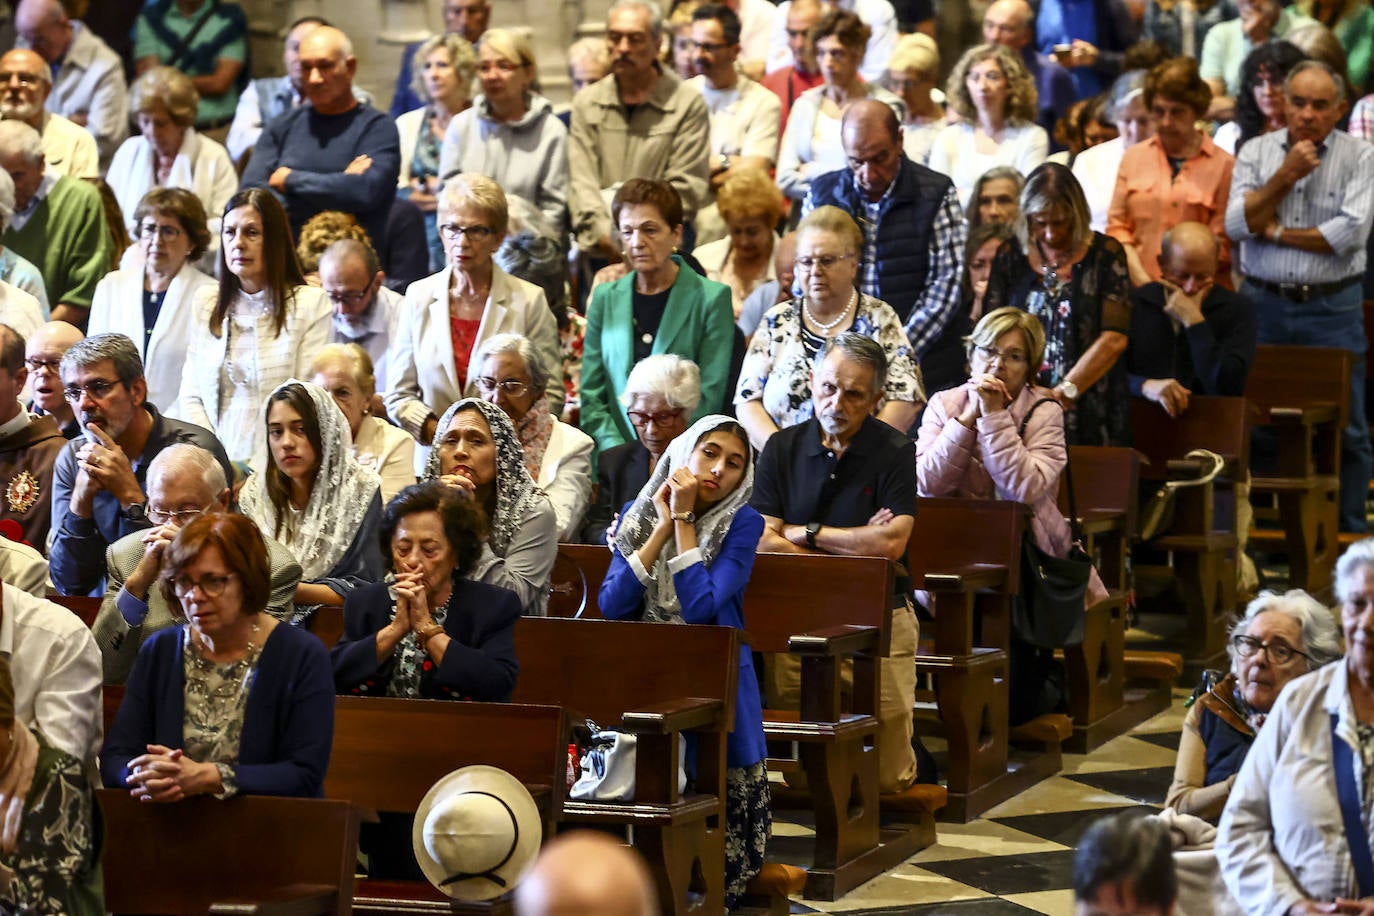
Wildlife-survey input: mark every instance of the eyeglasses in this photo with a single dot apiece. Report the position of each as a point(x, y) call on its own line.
point(640, 418)
point(511, 386)
point(452, 232)
point(339, 297)
point(37, 365)
point(1280, 653)
point(180, 516)
point(824, 262)
point(211, 586)
point(710, 47)
point(164, 232)
point(1008, 358)
point(98, 389)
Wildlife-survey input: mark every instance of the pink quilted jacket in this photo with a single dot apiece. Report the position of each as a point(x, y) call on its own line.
point(993, 462)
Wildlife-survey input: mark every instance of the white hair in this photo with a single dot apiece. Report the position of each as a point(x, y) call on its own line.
point(6, 199)
point(675, 379)
point(1320, 637)
point(183, 456)
point(19, 139)
point(649, 6)
point(1357, 557)
point(520, 345)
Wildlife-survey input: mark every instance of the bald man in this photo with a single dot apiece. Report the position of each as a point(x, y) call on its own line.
point(365, 311)
point(1012, 23)
point(586, 874)
point(29, 447)
point(25, 84)
point(1188, 335)
point(334, 154)
point(914, 234)
point(43, 352)
point(88, 86)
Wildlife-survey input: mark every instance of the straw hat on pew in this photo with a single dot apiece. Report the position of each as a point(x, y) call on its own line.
point(476, 832)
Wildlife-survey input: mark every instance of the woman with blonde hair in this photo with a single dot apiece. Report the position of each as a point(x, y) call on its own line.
point(510, 133)
point(442, 74)
point(751, 206)
point(347, 373)
point(912, 73)
point(996, 98)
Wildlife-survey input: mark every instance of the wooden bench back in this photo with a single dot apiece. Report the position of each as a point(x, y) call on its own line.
point(202, 852)
point(1105, 479)
point(790, 594)
point(604, 668)
point(388, 752)
point(576, 579)
point(952, 533)
point(82, 606)
point(1283, 376)
point(1218, 424)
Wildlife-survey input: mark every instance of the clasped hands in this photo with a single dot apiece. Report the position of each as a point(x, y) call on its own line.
point(102, 465)
point(986, 393)
point(678, 494)
point(166, 774)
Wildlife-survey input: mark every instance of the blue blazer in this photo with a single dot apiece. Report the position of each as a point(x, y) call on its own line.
point(479, 663)
point(698, 324)
point(288, 726)
point(713, 595)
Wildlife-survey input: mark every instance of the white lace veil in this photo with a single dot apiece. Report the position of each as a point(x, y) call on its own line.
point(516, 493)
point(339, 499)
point(660, 596)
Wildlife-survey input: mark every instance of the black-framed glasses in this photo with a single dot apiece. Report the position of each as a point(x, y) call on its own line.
point(1279, 653)
point(211, 586)
point(511, 386)
point(640, 418)
point(36, 365)
point(339, 297)
point(453, 231)
point(163, 231)
point(98, 389)
point(180, 516)
point(1009, 358)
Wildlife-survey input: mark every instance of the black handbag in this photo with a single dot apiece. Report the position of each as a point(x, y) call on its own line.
point(1049, 612)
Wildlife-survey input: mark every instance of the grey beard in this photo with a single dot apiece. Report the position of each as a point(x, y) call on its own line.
point(351, 330)
point(832, 423)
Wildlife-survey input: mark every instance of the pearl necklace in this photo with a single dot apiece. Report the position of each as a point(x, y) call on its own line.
point(806, 308)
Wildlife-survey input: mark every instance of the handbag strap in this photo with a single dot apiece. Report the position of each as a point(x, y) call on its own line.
point(183, 44)
point(1356, 834)
point(1074, 527)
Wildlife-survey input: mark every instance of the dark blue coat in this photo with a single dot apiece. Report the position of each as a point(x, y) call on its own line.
point(479, 663)
point(288, 726)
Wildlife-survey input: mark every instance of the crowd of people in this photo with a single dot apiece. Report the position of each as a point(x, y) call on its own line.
point(266, 348)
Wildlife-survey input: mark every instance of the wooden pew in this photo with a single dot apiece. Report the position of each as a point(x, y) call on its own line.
point(795, 604)
point(250, 854)
point(82, 606)
point(1106, 484)
point(966, 554)
point(387, 753)
point(657, 682)
point(1201, 543)
point(1303, 395)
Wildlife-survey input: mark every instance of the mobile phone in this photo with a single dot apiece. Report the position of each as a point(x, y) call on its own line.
point(1062, 51)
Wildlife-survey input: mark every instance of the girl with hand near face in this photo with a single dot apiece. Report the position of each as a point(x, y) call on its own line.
point(314, 497)
point(683, 554)
point(477, 453)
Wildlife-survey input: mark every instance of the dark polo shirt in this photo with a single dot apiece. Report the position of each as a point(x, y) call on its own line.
point(799, 480)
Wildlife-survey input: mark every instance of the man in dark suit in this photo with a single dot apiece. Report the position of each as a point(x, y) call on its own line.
point(662, 391)
point(184, 481)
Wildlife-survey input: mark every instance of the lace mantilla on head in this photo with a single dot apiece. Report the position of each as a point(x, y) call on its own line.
point(516, 494)
point(661, 603)
point(339, 500)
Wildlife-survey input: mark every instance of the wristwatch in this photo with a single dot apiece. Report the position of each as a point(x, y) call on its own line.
point(723, 161)
point(690, 517)
point(1070, 389)
point(137, 512)
point(812, 530)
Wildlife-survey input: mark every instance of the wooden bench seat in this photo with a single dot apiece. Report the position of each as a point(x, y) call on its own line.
point(249, 854)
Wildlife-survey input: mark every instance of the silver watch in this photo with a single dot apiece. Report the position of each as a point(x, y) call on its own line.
point(1070, 389)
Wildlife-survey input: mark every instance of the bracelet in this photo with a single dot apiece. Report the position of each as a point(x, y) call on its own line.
point(1278, 234)
point(428, 633)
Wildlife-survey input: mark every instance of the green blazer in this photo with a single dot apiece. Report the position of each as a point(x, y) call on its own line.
point(698, 324)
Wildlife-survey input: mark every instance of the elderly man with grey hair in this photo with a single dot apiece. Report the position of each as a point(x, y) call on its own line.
point(15, 270)
point(58, 223)
point(640, 121)
point(100, 478)
point(661, 394)
point(88, 85)
point(365, 310)
point(513, 375)
point(184, 481)
point(25, 84)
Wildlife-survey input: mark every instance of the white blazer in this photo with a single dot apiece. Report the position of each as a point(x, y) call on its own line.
point(408, 128)
point(421, 372)
point(288, 355)
point(566, 477)
point(201, 166)
point(117, 307)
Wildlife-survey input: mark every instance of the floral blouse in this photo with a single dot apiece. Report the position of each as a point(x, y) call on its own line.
point(777, 368)
point(216, 698)
point(56, 852)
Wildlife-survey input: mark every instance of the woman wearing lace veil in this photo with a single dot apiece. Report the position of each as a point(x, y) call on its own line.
point(477, 452)
point(314, 497)
point(683, 554)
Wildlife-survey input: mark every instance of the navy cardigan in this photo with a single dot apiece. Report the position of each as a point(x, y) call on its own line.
point(288, 725)
point(479, 663)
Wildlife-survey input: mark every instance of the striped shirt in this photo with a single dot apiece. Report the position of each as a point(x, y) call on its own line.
point(1335, 199)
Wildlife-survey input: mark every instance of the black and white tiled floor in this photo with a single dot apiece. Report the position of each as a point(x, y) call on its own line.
point(1017, 858)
